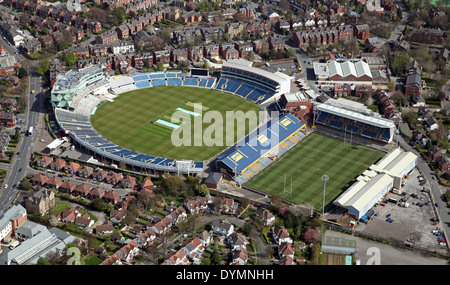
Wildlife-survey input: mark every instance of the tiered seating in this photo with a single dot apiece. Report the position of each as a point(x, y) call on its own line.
point(259, 95)
point(232, 86)
point(159, 82)
point(157, 75)
point(174, 82)
point(143, 84)
point(202, 82)
point(190, 81)
point(245, 90)
point(254, 147)
point(210, 82)
point(354, 127)
point(220, 84)
point(173, 74)
point(140, 77)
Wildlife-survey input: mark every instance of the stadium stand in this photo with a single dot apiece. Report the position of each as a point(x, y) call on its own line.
point(78, 127)
point(355, 122)
point(142, 84)
point(174, 82)
point(190, 81)
point(262, 146)
point(158, 82)
point(157, 75)
point(242, 71)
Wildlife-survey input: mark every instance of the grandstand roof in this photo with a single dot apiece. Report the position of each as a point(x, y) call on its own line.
point(362, 192)
point(259, 142)
point(395, 162)
point(379, 122)
point(247, 66)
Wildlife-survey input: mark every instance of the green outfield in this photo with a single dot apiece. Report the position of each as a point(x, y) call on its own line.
point(131, 120)
point(307, 162)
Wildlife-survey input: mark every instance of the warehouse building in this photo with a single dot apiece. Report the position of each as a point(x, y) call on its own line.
point(355, 72)
point(371, 186)
point(397, 164)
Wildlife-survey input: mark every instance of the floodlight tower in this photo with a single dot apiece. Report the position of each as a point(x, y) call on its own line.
point(325, 178)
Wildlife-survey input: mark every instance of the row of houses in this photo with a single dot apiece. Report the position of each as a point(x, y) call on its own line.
point(234, 29)
point(130, 5)
point(87, 172)
point(77, 190)
point(284, 242)
point(120, 55)
point(330, 35)
point(439, 158)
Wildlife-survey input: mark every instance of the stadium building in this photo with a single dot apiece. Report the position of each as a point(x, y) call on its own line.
point(376, 182)
point(74, 104)
point(355, 72)
point(71, 83)
point(239, 77)
point(353, 118)
point(257, 150)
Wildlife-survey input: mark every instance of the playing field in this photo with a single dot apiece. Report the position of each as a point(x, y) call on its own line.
point(305, 164)
point(141, 120)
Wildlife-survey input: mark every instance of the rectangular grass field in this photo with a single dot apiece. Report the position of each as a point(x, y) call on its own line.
point(307, 162)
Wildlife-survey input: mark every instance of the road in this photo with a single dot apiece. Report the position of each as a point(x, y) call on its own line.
point(24, 148)
point(398, 31)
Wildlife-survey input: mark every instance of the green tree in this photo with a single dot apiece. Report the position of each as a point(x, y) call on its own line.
point(174, 184)
point(42, 261)
point(43, 67)
point(98, 204)
point(26, 185)
point(203, 190)
point(70, 59)
point(119, 15)
point(399, 63)
point(22, 72)
point(215, 256)
point(159, 66)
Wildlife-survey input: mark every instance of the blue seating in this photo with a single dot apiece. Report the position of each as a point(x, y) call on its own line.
point(232, 86)
point(173, 74)
point(209, 82)
point(143, 84)
point(220, 84)
point(190, 81)
point(157, 75)
point(159, 82)
point(244, 90)
point(140, 77)
point(174, 81)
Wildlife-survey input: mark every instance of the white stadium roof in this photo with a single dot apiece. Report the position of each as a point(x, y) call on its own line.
point(379, 122)
point(247, 66)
